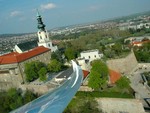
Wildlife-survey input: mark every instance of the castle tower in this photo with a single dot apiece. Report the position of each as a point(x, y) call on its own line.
point(43, 36)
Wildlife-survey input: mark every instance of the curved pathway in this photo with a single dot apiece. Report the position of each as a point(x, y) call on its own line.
point(56, 100)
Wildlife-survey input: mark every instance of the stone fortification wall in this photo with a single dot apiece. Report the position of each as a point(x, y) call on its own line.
point(85, 88)
point(38, 88)
point(118, 105)
point(9, 76)
point(123, 65)
point(12, 75)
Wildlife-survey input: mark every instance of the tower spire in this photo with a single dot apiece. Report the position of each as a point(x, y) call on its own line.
point(38, 14)
point(40, 25)
point(43, 35)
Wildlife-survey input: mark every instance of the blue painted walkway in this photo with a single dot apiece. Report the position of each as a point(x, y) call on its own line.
point(55, 101)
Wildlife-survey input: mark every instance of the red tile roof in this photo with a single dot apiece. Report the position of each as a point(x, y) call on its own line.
point(85, 73)
point(15, 57)
point(142, 42)
point(114, 76)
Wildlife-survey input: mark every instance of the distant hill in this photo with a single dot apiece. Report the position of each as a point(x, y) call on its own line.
point(11, 35)
point(116, 19)
point(131, 16)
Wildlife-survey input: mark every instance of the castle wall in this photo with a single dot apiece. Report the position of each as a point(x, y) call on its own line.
point(12, 75)
point(123, 65)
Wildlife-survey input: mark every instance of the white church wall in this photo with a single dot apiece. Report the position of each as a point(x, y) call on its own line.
point(17, 49)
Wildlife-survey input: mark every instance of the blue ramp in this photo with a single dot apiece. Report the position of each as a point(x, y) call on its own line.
point(56, 100)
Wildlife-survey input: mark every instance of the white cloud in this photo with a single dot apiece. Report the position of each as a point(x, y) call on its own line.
point(47, 6)
point(93, 8)
point(15, 13)
point(22, 18)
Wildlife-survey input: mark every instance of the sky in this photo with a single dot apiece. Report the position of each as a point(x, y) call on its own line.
point(19, 16)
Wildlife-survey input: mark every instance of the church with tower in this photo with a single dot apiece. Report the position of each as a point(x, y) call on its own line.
point(43, 35)
point(12, 64)
point(43, 39)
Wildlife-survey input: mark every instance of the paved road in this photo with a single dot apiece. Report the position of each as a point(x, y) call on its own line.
point(55, 101)
point(141, 91)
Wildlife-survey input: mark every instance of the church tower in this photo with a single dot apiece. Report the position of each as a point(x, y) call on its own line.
point(43, 36)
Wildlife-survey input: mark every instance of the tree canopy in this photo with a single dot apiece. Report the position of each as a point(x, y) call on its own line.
point(57, 55)
point(98, 75)
point(32, 70)
point(123, 82)
point(42, 73)
point(117, 48)
point(12, 99)
point(54, 66)
point(69, 53)
point(143, 54)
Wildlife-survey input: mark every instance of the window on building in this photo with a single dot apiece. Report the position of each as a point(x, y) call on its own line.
point(23, 69)
point(3, 72)
point(89, 57)
point(95, 56)
point(40, 37)
point(49, 45)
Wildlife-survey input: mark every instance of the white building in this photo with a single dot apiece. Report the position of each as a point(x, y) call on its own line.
point(91, 55)
point(85, 65)
point(43, 39)
point(135, 26)
point(87, 56)
point(136, 39)
point(43, 35)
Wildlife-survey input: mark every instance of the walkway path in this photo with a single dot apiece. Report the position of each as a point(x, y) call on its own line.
point(56, 100)
point(136, 83)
